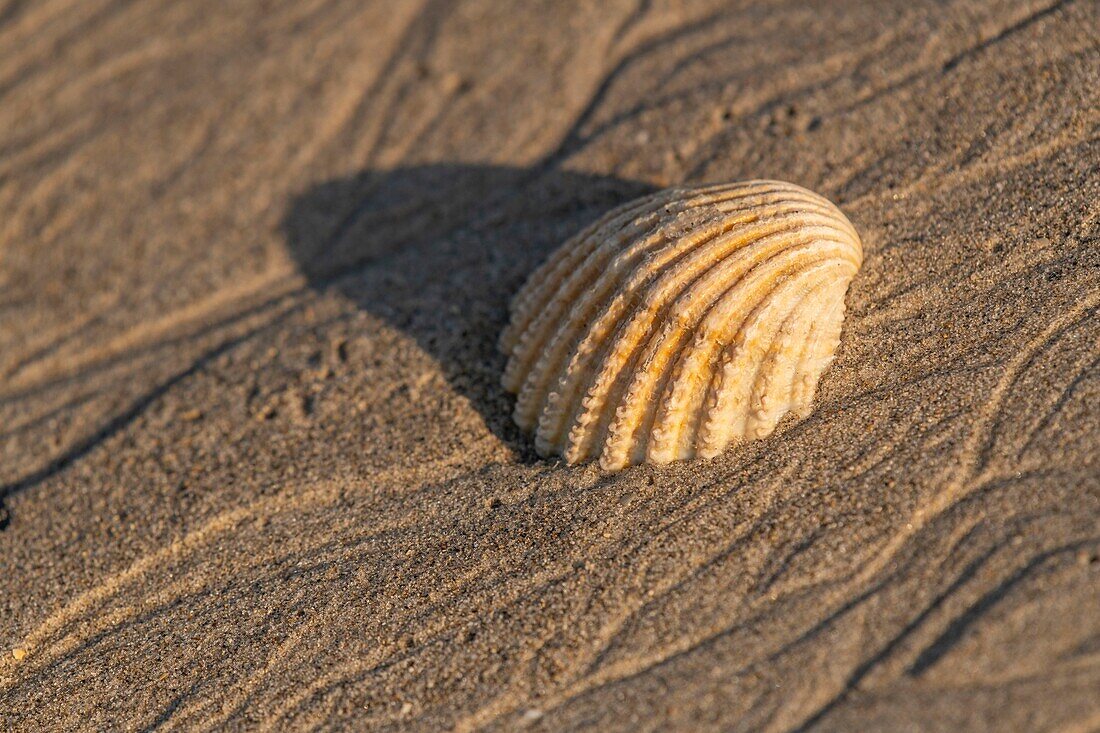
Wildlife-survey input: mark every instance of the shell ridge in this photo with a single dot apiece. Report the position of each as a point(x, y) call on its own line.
point(598, 300)
point(753, 287)
point(775, 379)
point(720, 284)
point(681, 321)
point(798, 396)
point(687, 245)
point(811, 364)
point(620, 445)
point(706, 195)
point(687, 392)
point(548, 323)
point(733, 239)
point(635, 319)
point(520, 353)
point(581, 264)
point(769, 319)
point(575, 253)
point(726, 423)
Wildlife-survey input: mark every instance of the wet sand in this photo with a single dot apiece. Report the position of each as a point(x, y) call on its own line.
point(256, 466)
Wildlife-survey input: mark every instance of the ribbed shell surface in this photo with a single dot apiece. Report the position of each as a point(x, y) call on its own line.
point(680, 323)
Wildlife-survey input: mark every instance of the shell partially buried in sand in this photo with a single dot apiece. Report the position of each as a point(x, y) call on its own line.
point(680, 323)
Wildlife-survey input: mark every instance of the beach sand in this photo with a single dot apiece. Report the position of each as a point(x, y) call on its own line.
point(257, 469)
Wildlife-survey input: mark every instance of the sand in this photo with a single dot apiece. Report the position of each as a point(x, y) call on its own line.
point(257, 469)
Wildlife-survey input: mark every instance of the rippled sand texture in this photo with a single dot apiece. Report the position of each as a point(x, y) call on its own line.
point(257, 468)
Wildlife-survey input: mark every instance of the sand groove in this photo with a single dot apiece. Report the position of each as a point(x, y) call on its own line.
point(255, 260)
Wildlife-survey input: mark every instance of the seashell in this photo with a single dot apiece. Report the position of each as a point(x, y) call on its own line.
point(680, 323)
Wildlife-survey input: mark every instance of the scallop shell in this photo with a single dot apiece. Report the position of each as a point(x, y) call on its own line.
point(680, 323)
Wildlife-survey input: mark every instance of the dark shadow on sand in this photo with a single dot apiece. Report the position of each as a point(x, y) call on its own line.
point(438, 250)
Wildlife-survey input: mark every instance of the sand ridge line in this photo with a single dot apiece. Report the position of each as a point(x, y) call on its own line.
point(958, 479)
point(943, 180)
point(964, 479)
point(593, 674)
point(273, 286)
point(909, 75)
point(391, 632)
point(43, 650)
point(941, 502)
point(914, 300)
point(190, 717)
point(379, 657)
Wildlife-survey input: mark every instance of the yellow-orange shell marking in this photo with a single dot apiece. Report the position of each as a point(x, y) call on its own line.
point(680, 323)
